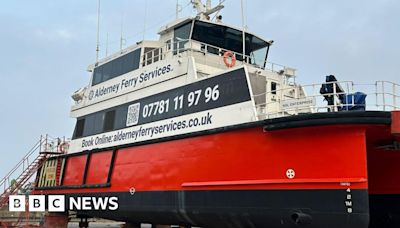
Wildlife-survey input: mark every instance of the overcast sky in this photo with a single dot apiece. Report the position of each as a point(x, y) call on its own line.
point(46, 46)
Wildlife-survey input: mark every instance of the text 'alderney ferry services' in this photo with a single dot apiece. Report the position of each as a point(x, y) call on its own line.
point(198, 129)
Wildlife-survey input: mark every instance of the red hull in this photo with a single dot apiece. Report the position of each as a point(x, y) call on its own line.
point(322, 158)
point(330, 157)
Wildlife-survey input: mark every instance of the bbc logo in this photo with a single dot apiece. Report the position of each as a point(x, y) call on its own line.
point(57, 203)
point(37, 203)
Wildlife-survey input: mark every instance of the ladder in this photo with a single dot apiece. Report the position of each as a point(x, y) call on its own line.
point(27, 167)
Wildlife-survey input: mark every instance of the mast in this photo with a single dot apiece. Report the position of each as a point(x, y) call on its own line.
point(243, 34)
point(178, 9)
point(145, 19)
point(107, 45)
point(98, 33)
point(204, 11)
point(122, 40)
point(208, 5)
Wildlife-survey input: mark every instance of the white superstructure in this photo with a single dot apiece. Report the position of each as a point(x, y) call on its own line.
point(128, 85)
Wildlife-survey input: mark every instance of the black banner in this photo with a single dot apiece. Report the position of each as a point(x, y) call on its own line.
point(223, 90)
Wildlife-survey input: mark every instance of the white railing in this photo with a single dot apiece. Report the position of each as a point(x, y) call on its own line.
point(380, 96)
point(46, 146)
point(192, 46)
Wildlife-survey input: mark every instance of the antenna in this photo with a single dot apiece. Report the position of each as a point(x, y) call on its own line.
point(98, 33)
point(145, 18)
point(178, 9)
point(107, 46)
point(122, 40)
point(243, 33)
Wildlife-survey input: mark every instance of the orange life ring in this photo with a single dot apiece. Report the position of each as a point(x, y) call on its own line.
point(63, 147)
point(231, 56)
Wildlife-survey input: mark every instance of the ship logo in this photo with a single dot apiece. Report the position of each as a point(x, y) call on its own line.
point(91, 94)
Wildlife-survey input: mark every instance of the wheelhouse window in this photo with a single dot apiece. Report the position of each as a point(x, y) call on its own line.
point(181, 36)
point(257, 50)
point(231, 39)
point(117, 67)
point(218, 36)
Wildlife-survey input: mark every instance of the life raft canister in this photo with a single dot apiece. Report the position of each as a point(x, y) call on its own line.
point(229, 56)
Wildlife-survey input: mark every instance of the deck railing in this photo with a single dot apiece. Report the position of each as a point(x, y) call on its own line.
point(380, 96)
point(189, 47)
point(45, 145)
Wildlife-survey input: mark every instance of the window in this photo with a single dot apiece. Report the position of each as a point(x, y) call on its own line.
point(109, 120)
point(98, 123)
point(218, 36)
point(231, 39)
point(107, 71)
point(97, 75)
point(78, 133)
point(89, 125)
point(148, 56)
point(131, 61)
point(120, 117)
point(257, 50)
point(93, 124)
point(103, 121)
point(181, 36)
point(168, 45)
point(156, 55)
point(273, 87)
point(117, 67)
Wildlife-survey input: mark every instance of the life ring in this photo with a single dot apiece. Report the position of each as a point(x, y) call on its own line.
point(231, 56)
point(63, 147)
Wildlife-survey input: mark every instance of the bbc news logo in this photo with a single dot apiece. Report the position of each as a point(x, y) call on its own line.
point(58, 203)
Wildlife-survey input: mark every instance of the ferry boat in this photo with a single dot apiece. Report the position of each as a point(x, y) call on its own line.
point(200, 129)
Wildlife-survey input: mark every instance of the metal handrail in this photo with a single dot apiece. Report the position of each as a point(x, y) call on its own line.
point(174, 46)
point(385, 99)
point(40, 146)
point(34, 148)
point(386, 93)
point(273, 66)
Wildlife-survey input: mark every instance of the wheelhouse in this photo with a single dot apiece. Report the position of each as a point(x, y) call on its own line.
point(203, 40)
point(218, 38)
point(230, 39)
